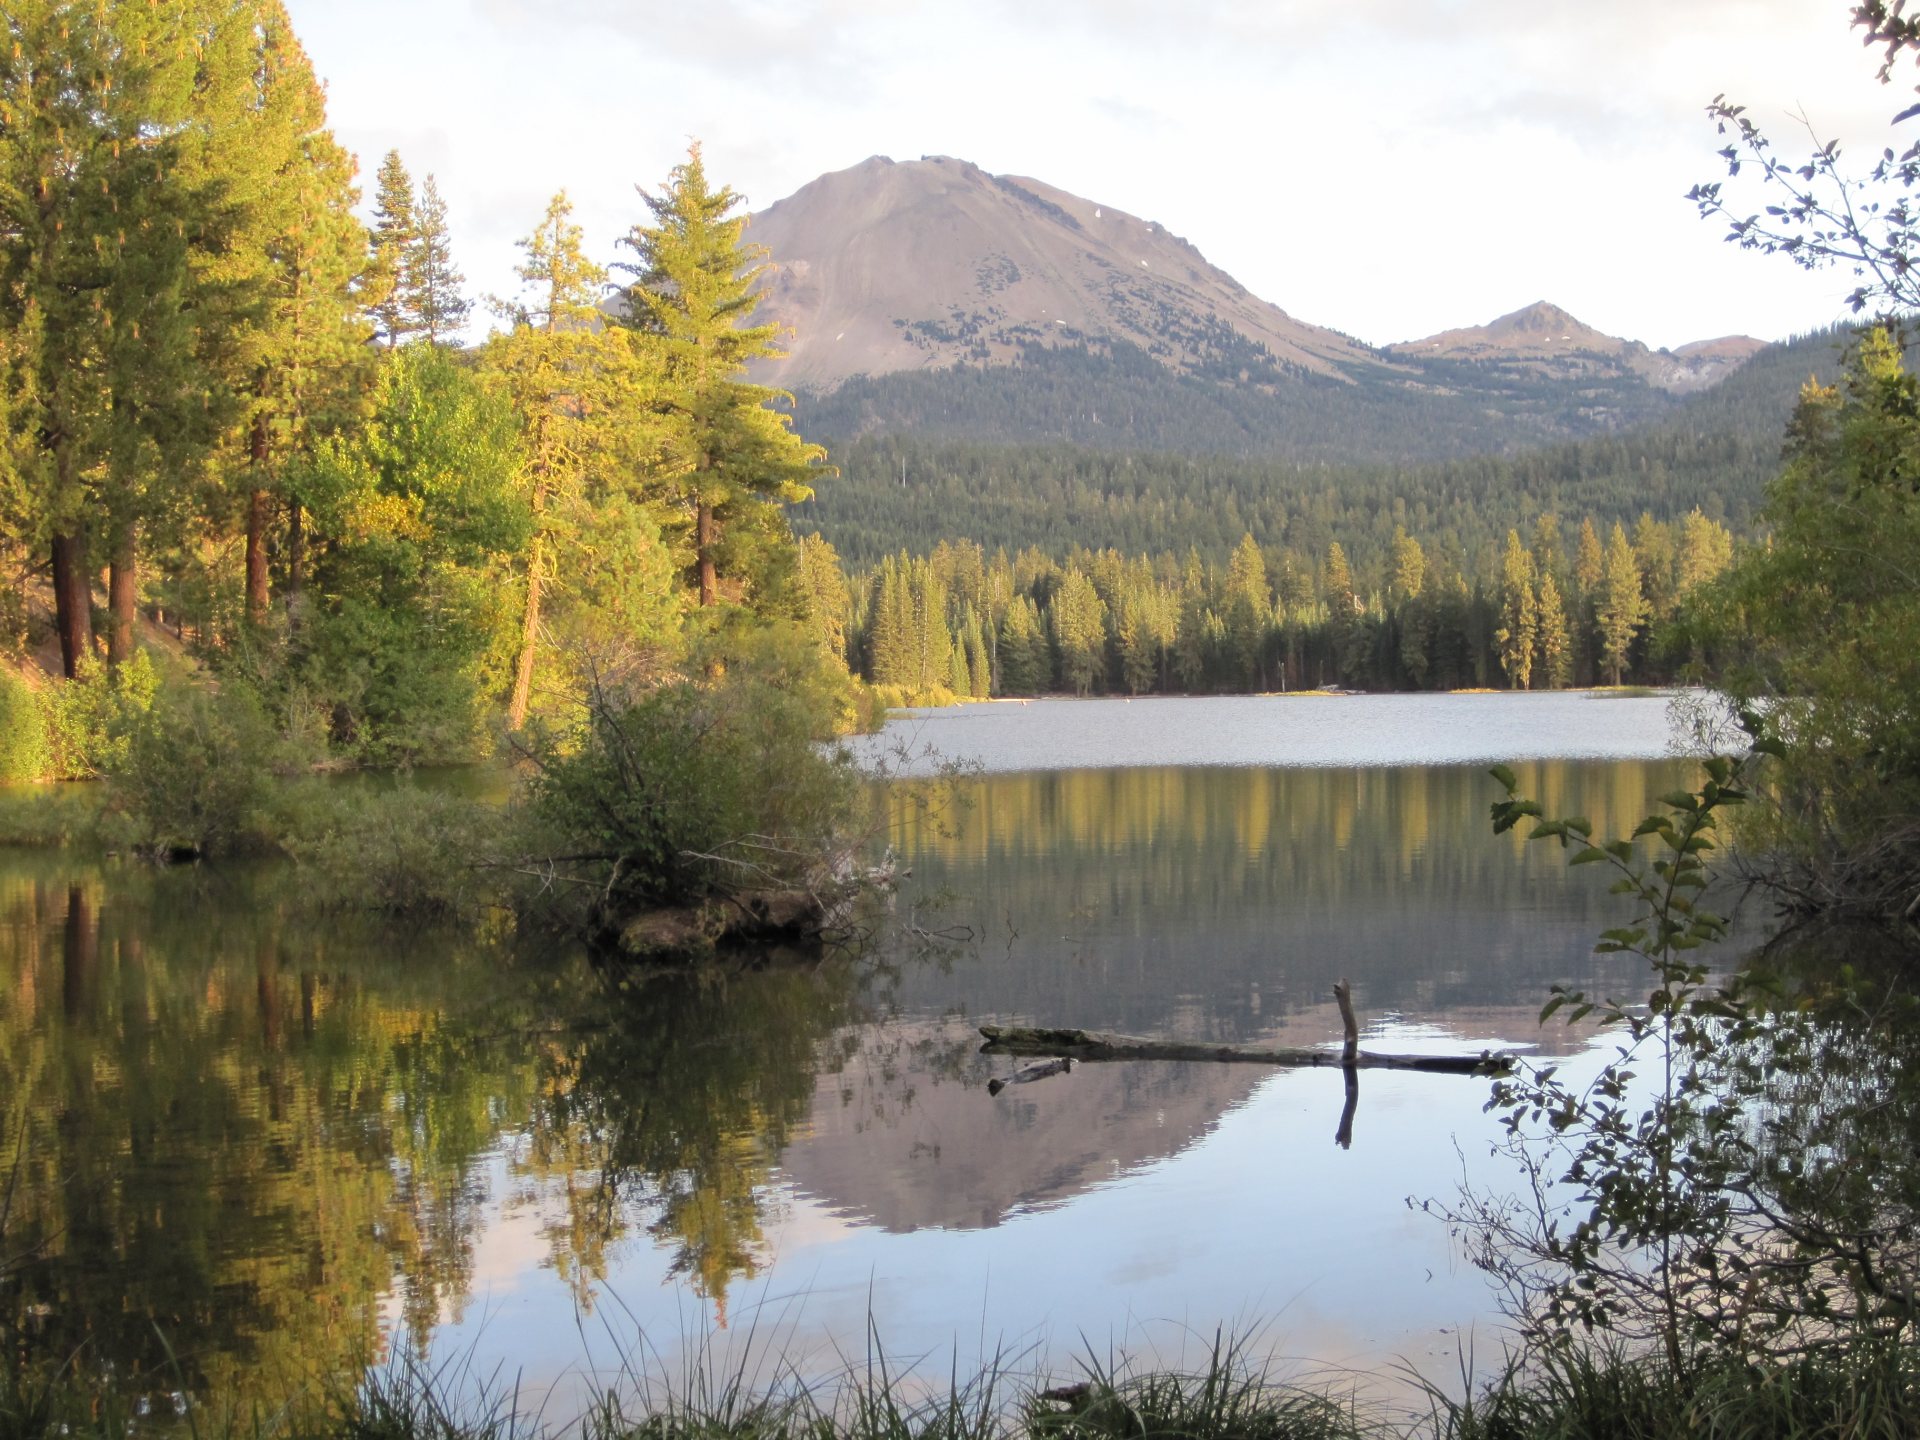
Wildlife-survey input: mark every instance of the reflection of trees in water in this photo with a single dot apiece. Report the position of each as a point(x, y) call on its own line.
point(1261, 886)
point(672, 1111)
point(267, 1142)
point(224, 1137)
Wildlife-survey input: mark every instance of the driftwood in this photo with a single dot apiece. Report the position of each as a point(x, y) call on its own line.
point(1031, 1074)
point(1090, 1045)
point(1067, 1046)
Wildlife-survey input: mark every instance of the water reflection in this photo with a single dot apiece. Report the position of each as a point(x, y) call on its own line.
point(273, 1148)
point(288, 1145)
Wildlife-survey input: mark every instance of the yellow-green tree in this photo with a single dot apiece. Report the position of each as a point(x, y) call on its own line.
point(1518, 635)
point(1620, 609)
point(582, 392)
point(728, 458)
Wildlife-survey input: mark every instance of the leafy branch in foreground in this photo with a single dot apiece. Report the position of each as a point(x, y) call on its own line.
point(1729, 1181)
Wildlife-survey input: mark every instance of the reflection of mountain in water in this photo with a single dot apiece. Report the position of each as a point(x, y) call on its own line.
point(1217, 904)
point(910, 1148)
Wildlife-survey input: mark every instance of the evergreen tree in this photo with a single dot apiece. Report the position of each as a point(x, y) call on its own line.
point(1344, 614)
point(1706, 551)
point(581, 389)
point(1620, 610)
point(1556, 647)
point(396, 237)
point(1658, 558)
point(1079, 633)
point(1519, 633)
point(829, 601)
point(1249, 613)
point(431, 283)
point(1589, 564)
point(127, 195)
point(1414, 614)
point(1023, 653)
point(729, 457)
point(303, 355)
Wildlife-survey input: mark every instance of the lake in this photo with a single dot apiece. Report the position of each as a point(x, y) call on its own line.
point(290, 1144)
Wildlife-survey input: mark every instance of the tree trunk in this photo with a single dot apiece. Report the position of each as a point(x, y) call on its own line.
point(529, 636)
point(72, 601)
point(257, 557)
point(296, 560)
point(257, 503)
point(122, 583)
point(703, 538)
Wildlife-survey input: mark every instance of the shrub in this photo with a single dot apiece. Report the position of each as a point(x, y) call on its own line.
point(23, 731)
point(697, 787)
point(194, 776)
point(90, 719)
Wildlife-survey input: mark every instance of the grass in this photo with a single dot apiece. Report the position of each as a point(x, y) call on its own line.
point(1591, 1392)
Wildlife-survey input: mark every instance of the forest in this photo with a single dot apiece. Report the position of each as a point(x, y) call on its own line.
point(1546, 611)
point(249, 422)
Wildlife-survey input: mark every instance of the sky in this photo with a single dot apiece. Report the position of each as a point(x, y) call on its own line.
point(1386, 169)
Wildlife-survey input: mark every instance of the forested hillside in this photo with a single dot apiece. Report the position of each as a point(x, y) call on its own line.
point(910, 489)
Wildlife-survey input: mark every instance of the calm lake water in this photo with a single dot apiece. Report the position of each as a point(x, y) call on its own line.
point(291, 1145)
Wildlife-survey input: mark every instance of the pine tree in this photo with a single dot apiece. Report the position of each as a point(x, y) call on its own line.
point(396, 236)
point(729, 456)
point(1556, 649)
point(1023, 656)
point(1519, 632)
point(1706, 551)
point(1620, 609)
point(581, 389)
point(1249, 613)
point(305, 357)
point(430, 280)
point(1589, 564)
point(125, 274)
point(1345, 627)
point(1079, 633)
point(1659, 561)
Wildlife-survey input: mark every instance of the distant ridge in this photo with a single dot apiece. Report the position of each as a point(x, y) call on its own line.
point(1546, 339)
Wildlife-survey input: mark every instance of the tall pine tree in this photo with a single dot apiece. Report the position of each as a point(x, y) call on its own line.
point(729, 459)
point(432, 282)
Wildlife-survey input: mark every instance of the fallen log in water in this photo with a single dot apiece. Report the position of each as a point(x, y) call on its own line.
point(1090, 1045)
point(1031, 1074)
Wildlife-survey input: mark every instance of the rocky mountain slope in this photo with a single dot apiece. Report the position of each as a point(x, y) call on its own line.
point(925, 264)
point(929, 297)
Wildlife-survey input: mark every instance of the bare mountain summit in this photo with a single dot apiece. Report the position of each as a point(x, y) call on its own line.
point(1544, 339)
point(926, 264)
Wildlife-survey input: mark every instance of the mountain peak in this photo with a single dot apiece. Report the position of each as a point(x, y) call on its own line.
point(1543, 338)
point(932, 263)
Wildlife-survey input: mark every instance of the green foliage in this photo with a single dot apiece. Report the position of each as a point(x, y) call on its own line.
point(1748, 1197)
point(729, 458)
point(694, 788)
point(91, 718)
point(411, 633)
point(194, 776)
point(1821, 627)
point(401, 850)
point(24, 754)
